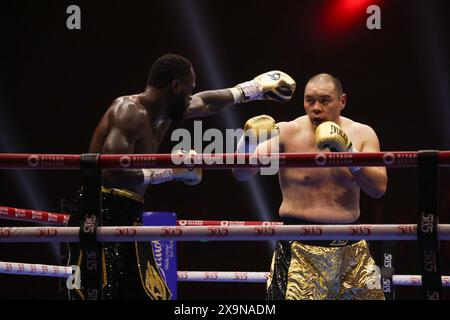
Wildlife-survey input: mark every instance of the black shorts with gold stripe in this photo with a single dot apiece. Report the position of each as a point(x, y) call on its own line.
point(129, 269)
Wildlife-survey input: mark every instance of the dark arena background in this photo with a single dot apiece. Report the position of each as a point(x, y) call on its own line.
point(55, 84)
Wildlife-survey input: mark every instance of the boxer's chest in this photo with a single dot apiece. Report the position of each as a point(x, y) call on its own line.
point(318, 176)
point(152, 138)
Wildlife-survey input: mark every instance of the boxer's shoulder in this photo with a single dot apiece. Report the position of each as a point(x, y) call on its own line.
point(349, 125)
point(127, 111)
point(297, 125)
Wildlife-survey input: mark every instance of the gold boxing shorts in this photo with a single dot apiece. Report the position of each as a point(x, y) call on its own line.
point(335, 271)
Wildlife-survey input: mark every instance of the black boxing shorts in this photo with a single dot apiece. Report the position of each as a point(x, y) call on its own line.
point(129, 270)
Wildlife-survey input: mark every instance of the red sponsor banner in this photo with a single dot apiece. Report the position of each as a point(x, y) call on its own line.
point(33, 216)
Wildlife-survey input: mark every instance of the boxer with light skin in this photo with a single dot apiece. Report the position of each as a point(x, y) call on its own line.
point(322, 196)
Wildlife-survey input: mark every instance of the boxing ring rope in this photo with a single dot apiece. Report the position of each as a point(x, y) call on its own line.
point(261, 277)
point(227, 223)
point(185, 276)
point(60, 219)
point(427, 231)
point(8, 213)
point(219, 161)
point(32, 269)
point(221, 233)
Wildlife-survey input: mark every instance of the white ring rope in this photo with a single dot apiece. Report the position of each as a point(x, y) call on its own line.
point(35, 269)
point(261, 277)
point(186, 276)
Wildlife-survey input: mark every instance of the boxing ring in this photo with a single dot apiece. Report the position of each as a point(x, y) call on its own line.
point(427, 231)
point(184, 276)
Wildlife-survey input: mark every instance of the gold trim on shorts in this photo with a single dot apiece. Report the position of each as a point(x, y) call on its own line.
point(153, 284)
point(329, 273)
point(124, 193)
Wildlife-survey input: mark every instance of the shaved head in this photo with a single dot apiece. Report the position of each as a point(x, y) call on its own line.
point(324, 98)
point(326, 77)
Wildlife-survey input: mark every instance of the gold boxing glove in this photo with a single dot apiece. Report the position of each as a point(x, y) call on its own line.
point(260, 125)
point(273, 85)
point(257, 129)
point(329, 135)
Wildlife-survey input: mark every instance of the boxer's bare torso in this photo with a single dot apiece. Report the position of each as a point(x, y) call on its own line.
point(127, 127)
point(328, 195)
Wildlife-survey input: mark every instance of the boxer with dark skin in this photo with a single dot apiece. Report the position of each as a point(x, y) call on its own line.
point(137, 124)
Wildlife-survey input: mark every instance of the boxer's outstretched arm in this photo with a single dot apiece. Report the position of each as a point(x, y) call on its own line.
point(272, 85)
point(209, 102)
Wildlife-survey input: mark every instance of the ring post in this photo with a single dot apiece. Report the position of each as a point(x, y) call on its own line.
point(387, 269)
point(91, 209)
point(427, 233)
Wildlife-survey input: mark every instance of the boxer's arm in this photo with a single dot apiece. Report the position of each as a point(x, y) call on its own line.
point(372, 180)
point(271, 145)
point(125, 129)
point(248, 173)
point(273, 85)
point(209, 102)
